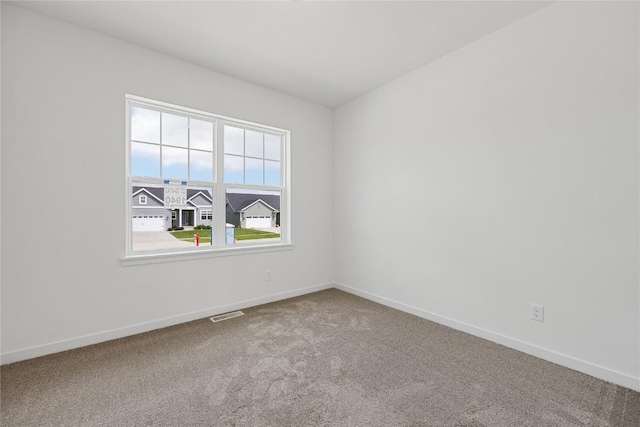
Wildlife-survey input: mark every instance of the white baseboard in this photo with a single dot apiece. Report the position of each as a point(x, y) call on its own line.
point(543, 353)
point(594, 370)
point(56, 347)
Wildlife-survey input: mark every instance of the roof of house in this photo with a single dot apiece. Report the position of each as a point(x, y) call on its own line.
point(192, 192)
point(237, 201)
point(240, 201)
point(159, 192)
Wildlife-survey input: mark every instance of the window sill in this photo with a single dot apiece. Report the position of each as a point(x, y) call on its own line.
point(162, 257)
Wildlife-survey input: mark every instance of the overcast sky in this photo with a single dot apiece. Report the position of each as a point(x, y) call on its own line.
point(185, 146)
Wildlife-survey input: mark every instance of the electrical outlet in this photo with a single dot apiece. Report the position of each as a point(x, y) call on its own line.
point(267, 275)
point(536, 312)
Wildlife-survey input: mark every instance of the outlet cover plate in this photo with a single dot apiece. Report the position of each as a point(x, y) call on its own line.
point(536, 312)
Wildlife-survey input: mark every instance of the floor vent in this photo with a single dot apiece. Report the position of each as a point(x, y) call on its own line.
point(226, 316)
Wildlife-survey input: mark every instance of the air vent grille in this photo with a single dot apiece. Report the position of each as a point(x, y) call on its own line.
point(226, 316)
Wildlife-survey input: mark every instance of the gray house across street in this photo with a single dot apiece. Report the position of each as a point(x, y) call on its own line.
point(253, 210)
point(243, 210)
point(149, 214)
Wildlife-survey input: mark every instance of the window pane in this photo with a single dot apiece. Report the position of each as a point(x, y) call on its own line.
point(201, 216)
point(145, 125)
point(201, 165)
point(233, 140)
point(252, 216)
point(175, 223)
point(174, 130)
point(253, 173)
point(174, 163)
point(271, 173)
point(201, 134)
point(145, 160)
point(272, 147)
point(233, 169)
point(253, 144)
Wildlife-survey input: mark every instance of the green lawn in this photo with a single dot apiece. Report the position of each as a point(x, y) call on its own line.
point(187, 235)
point(241, 234)
point(249, 234)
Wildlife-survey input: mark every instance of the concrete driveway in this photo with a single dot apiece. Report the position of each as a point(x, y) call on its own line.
point(155, 240)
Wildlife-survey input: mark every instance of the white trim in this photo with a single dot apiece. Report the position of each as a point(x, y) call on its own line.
point(199, 253)
point(143, 188)
point(549, 355)
point(286, 208)
point(217, 184)
point(128, 210)
point(64, 345)
point(583, 366)
point(179, 109)
point(140, 202)
point(199, 192)
point(268, 189)
point(263, 202)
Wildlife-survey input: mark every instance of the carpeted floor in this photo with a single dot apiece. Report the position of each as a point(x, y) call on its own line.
point(324, 359)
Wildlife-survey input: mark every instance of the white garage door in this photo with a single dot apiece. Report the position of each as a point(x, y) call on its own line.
point(148, 223)
point(258, 221)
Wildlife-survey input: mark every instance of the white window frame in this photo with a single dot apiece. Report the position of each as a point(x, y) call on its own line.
point(218, 188)
point(208, 212)
point(142, 199)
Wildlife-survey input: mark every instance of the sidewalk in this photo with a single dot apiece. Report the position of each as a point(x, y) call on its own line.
point(155, 240)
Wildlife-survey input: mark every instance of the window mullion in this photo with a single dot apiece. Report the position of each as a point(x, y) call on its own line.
point(219, 201)
point(160, 139)
point(188, 148)
point(285, 183)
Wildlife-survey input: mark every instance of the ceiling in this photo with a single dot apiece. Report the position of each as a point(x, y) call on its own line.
point(326, 52)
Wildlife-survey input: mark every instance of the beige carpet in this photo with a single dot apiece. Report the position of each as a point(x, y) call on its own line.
point(325, 359)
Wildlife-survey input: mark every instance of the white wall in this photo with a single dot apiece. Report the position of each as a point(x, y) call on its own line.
point(63, 128)
point(502, 174)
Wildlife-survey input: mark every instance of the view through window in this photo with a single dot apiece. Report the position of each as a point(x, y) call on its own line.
point(199, 181)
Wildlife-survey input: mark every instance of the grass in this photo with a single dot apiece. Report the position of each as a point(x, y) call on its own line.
point(241, 234)
point(187, 235)
point(249, 234)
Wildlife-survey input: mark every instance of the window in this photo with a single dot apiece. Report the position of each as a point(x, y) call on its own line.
point(251, 157)
point(206, 215)
point(198, 170)
point(170, 146)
